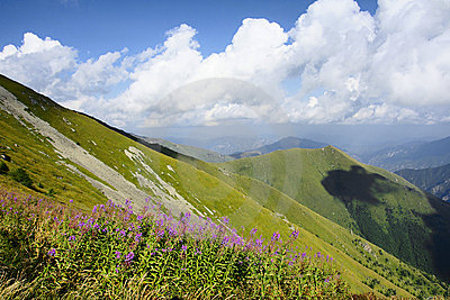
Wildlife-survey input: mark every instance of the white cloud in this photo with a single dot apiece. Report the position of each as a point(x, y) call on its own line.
point(53, 69)
point(349, 67)
point(37, 62)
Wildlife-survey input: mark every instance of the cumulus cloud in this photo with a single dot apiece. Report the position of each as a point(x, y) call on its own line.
point(342, 64)
point(37, 62)
point(53, 69)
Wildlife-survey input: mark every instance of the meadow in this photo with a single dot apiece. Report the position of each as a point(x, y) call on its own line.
point(48, 249)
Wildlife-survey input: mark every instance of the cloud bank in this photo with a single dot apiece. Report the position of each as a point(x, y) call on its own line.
point(337, 64)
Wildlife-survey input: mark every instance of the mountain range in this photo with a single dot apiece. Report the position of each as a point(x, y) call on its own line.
point(436, 181)
point(383, 232)
point(283, 144)
point(196, 152)
point(417, 155)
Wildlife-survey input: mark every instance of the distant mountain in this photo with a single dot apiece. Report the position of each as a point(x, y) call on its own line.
point(195, 152)
point(433, 180)
point(412, 156)
point(283, 144)
point(225, 145)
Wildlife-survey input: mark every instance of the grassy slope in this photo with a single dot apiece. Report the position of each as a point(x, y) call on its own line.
point(198, 187)
point(379, 205)
point(342, 240)
point(34, 153)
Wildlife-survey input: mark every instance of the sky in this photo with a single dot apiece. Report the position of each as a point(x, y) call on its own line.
point(140, 65)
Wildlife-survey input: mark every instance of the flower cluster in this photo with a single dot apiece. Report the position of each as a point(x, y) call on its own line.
point(171, 255)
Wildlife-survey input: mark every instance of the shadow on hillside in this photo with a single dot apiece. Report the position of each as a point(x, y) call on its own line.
point(439, 244)
point(355, 184)
point(405, 237)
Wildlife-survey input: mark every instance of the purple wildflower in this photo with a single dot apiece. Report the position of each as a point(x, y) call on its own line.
point(253, 231)
point(275, 236)
point(294, 234)
point(226, 240)
point(72, 238)
point(129, 257)
point(225, 220)
point(52, 252)
point(138, 237)
point(184, 248)
point(118, 254)
point(259, 242)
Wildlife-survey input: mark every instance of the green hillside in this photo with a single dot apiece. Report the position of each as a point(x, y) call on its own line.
point(378, 205)
point(73, 156)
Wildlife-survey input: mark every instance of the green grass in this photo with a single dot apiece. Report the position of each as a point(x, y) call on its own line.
point(378, 205)
point(32, 152)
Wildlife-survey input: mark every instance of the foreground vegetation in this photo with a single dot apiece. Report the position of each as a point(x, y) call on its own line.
point(53, 250)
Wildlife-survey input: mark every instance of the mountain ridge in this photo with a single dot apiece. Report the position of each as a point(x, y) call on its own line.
point(416, 155)
point(432, 180)
point(282, 144)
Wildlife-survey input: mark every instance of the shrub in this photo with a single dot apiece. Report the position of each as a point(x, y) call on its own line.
point(3, 168)
point(21, 176)
point(51, 192)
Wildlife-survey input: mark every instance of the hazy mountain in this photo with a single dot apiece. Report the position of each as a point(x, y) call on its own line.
point(418, 155)
point(433, 180)
point(68, 155)
point(283, 144)
point(195, 152)
point(225, 145)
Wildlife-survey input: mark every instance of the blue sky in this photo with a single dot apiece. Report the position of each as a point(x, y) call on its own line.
point(149, 64)
point(95, 27)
